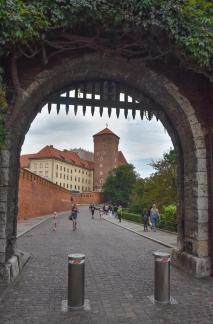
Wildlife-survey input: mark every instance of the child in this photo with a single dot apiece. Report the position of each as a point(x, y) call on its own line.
point(54, 220)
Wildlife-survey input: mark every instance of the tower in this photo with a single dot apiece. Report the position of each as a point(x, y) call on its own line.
point(105, 156)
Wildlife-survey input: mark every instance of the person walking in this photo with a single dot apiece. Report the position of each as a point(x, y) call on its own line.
point(145, 216)
point(154, 216)
point(92, 209)
point(119, 213)
point(54, 220)
point(74, 214)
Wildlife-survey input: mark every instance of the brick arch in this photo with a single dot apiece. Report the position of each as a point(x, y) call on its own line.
point(192, 251)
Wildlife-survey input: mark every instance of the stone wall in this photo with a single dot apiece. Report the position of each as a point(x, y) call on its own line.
point(38, 196)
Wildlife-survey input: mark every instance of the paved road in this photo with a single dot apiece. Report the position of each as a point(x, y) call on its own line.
point(119, 277)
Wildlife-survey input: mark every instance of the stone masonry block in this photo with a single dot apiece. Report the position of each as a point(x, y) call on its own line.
point(3, 234)
point(3, 218)
point(3, 193)
point(14, 270)
point(23, 257)
point(202, 231)
point(4, 158)
point(201, 177)
point(2, 245)
point(201, 165)
point(202, 202)
point(200, 153)
point(4, 179)
point(3, 207)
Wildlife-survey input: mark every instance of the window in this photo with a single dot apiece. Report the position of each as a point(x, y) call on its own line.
point(56, 174)
point(71, 170)
point(35, 165)
point(70, 186)
point(41, 165)
point(71, 178)
point(60, 175)
point(78, 187)
point(40, 172)
point(64, 176)
point(75, 186)
point(79, 179)
point(67, 177)
point(61, 168)
point(46, 173)
point(64, 185)
point(64, 169)
point(75, 178)
point(56, 182)
point(46, 165)
point(75, 170)
point(56, 166)
point(67, 186)
point(68, 170)
point(79, 171)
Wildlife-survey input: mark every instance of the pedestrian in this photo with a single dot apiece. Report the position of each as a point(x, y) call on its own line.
point(119, 212)
point(74, 215)
point(154, 216)
point(54, 220)
point(92, 209)
point(145, 216)
point(115, 211)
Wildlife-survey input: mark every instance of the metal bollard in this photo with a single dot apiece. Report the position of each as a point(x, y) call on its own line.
point(76, 269)
point(162, 277)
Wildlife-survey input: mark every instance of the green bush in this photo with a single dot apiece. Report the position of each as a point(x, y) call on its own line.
point(132, 217)
point(168, 219)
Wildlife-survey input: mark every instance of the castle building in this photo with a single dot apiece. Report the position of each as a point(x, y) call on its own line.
point(106, 156)
point(69, 168)
point(64, 168)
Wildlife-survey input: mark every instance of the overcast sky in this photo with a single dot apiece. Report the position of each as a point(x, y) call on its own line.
point(140, 141)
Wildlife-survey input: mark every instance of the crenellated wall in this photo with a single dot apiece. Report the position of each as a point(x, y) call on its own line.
point(38, 196)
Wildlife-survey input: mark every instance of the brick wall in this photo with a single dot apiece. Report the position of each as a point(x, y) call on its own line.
point(38, 196)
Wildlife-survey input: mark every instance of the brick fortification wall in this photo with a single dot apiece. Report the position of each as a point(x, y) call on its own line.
point(38, 196)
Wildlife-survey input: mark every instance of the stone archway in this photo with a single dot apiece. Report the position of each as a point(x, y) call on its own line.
point(182, 123)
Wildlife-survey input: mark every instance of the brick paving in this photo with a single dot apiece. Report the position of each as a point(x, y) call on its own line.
point(119, 277)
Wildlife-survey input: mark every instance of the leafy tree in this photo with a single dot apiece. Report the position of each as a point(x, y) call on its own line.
point(161, 187)
point(119, 184)
point(136, 198)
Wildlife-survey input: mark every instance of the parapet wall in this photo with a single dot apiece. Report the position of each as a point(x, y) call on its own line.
point(38, 196)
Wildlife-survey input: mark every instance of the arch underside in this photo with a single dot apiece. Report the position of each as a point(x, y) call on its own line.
point(144, 90)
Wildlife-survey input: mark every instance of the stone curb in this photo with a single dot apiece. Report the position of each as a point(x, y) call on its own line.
point(149, 238)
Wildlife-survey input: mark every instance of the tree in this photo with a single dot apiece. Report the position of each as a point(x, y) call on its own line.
point(161, 187)
point(119, 184)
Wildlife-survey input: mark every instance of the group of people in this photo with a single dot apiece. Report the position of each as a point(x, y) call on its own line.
point(116, 211)
point(150, 217)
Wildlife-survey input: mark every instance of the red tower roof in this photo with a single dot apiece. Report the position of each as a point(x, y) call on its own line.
point(106, 131)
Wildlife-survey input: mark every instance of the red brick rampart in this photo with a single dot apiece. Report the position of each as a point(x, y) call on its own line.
point(38, 196)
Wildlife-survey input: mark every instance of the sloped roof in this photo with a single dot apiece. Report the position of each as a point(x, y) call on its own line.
point(121, 159)
point(66, 156)
point(25, 160)
point(105, 131)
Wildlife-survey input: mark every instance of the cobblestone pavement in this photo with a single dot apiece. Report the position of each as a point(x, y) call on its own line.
point(119, 277)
